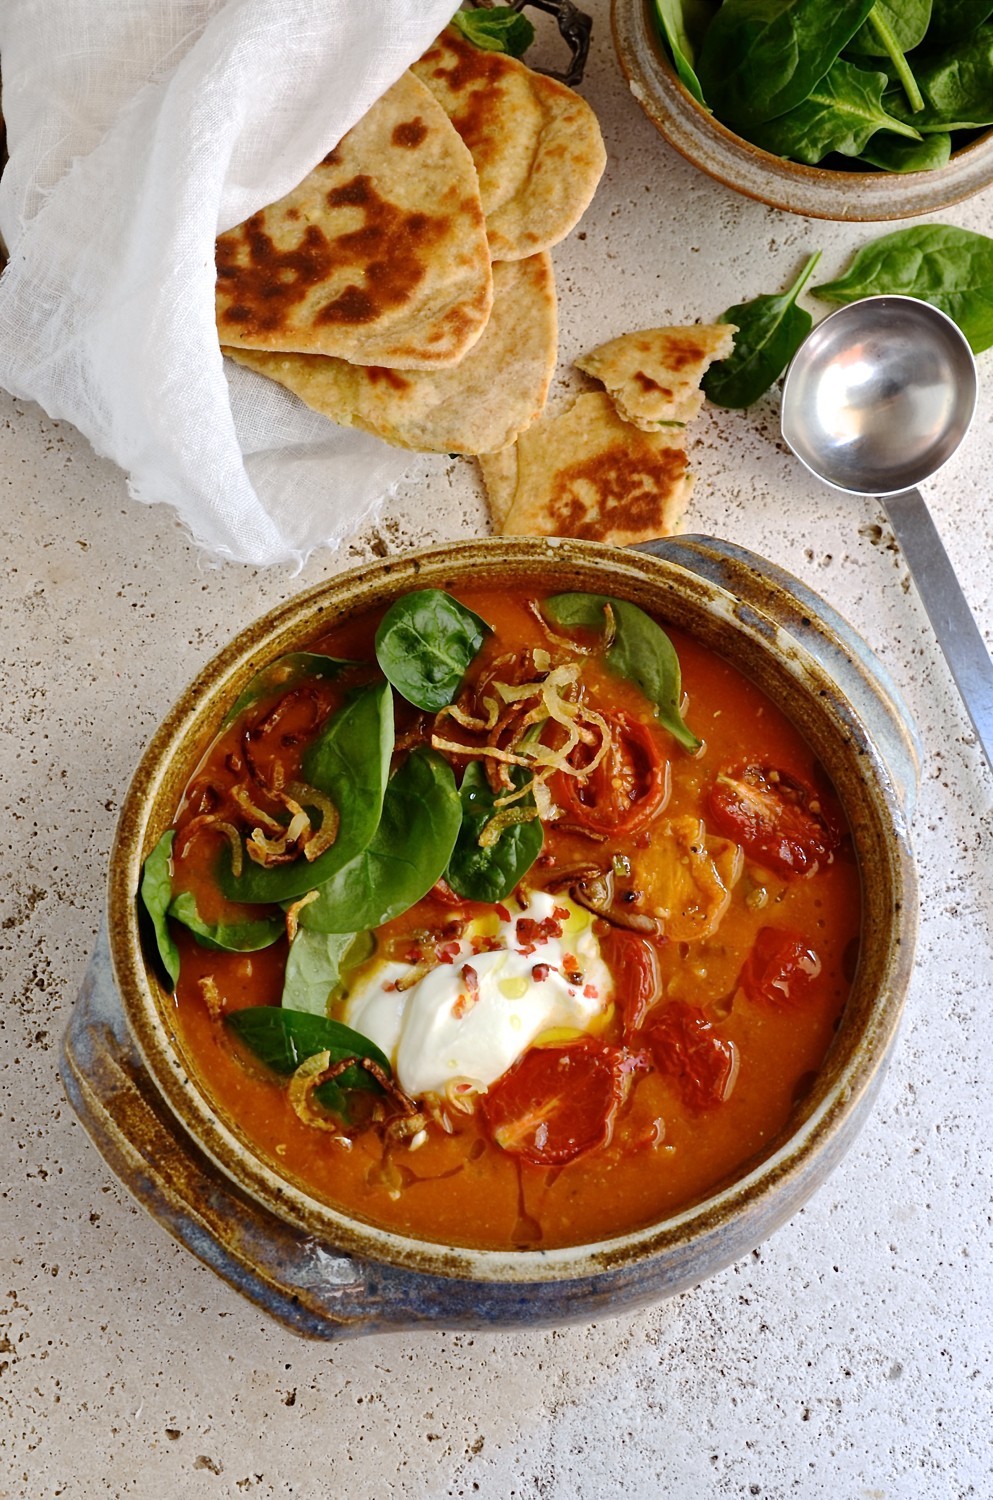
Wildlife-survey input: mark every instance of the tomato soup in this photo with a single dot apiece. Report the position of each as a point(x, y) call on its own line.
point(504, 920)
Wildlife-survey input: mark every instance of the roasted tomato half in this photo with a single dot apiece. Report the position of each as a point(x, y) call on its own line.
point(634, 966)
point(777, 819)
point(626, 790)
point(780, 969)
point(686, 1049)
point(557, 1103)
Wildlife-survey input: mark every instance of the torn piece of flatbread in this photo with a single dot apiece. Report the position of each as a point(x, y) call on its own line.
point(586, 473)
point(499, 471)
point(483, 402)
point(536, 144)
point(379, 256)
point(654, 376)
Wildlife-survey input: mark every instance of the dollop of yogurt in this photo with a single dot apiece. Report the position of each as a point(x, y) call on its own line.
point(493, 992)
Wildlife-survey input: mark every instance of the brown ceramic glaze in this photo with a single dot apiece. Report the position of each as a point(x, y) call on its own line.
point(740, 608)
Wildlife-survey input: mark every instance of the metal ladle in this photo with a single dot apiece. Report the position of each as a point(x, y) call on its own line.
point(877, 398)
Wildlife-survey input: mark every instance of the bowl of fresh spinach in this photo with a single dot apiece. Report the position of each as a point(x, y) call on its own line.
point(866, 110)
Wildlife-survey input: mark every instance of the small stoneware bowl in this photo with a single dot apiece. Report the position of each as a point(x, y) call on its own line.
point(819, 192)
point(329, 1275)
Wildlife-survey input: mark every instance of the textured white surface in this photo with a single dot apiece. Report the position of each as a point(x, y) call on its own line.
point(848, 1357)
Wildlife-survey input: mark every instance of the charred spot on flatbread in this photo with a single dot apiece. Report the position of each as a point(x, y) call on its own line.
point(379, 256)
point(586, 473)
point(653, 376)
point(536, 144)
point(483, 402)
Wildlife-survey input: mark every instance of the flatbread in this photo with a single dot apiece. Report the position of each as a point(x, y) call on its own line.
point(499, 472)
point(536, 144)
point(586, 473)
point(483, 402)
point(654, 376)
point(380, 256)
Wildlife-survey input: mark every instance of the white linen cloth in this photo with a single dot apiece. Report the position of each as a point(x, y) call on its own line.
point(138, 130)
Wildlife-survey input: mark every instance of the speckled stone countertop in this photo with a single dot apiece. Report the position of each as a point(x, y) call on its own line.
point(849, 1357)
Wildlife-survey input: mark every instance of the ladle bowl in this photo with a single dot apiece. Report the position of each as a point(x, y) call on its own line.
point(877, 398)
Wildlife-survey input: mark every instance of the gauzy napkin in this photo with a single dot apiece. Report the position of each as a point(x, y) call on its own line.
point(138, 130)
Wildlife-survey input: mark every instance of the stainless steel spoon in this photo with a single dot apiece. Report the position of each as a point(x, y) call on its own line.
point(877, 398)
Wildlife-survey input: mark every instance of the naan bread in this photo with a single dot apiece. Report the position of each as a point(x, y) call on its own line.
point(483, 402)
point(654, 376)
point(536, 145)
point(380, 256)
point(586, 473)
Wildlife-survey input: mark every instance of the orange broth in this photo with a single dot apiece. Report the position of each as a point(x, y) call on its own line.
point(666, 1149)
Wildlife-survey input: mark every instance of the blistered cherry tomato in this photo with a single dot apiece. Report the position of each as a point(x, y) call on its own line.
point(777, 819)
point(634, 967)
point(780, 969)
point(686, 1049)
point(557, 1103)
point(626, 790)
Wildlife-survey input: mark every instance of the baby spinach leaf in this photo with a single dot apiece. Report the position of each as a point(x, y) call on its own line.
point(771, 329)
point(425, 643)
point(501, 29)
point(350, 762)
point(957, 86)
point(156, 894)
point(640, 651)
point(281, 675)
point(409, 851)
point(891, 31)
point(840, 113)
point(490, 873)
point(952, 20)
point(762, 57)
point(316, 963)
point(894, 154)
point(229, 937)
point(950, 268)
point(283, 1039)
point(675, 19)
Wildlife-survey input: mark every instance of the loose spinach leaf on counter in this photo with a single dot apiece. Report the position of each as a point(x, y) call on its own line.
point(490, 872)
point(408, 853)
point(425, 643)
point(501, 29)
point(677, 19)
point(950, 268)
point(895, 154)
point(283, 1039)
point(957, 87)
point(283, 674)
point(349, 762)
point(760, 58)
point(156, 895)
point(229, 937)
point(770, 331)
point(951, 20)
point(640, 651)
point(841, 113)
point(315, 965)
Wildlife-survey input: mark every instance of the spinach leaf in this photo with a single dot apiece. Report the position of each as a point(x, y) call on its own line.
point(283, 1039)
point(948, 267)
point(675, 20)
point(350, 762)
point(490, 873)
point(316, 963)
point(156, 894)
point(640, 651)
point(891, 31)
point(770, 331)
point(952, 20)
point(283, 674)
point(957, 85)
point(425, 643)
point(501, 29)
point(762, 57)
point(894, 154)
point(841, 113)
point(229, 937)
point(409, 851)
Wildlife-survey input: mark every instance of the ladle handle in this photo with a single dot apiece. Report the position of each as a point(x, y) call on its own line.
point(941, 594)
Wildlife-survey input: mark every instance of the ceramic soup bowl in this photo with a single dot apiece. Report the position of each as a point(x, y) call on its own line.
point(327, 1274)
